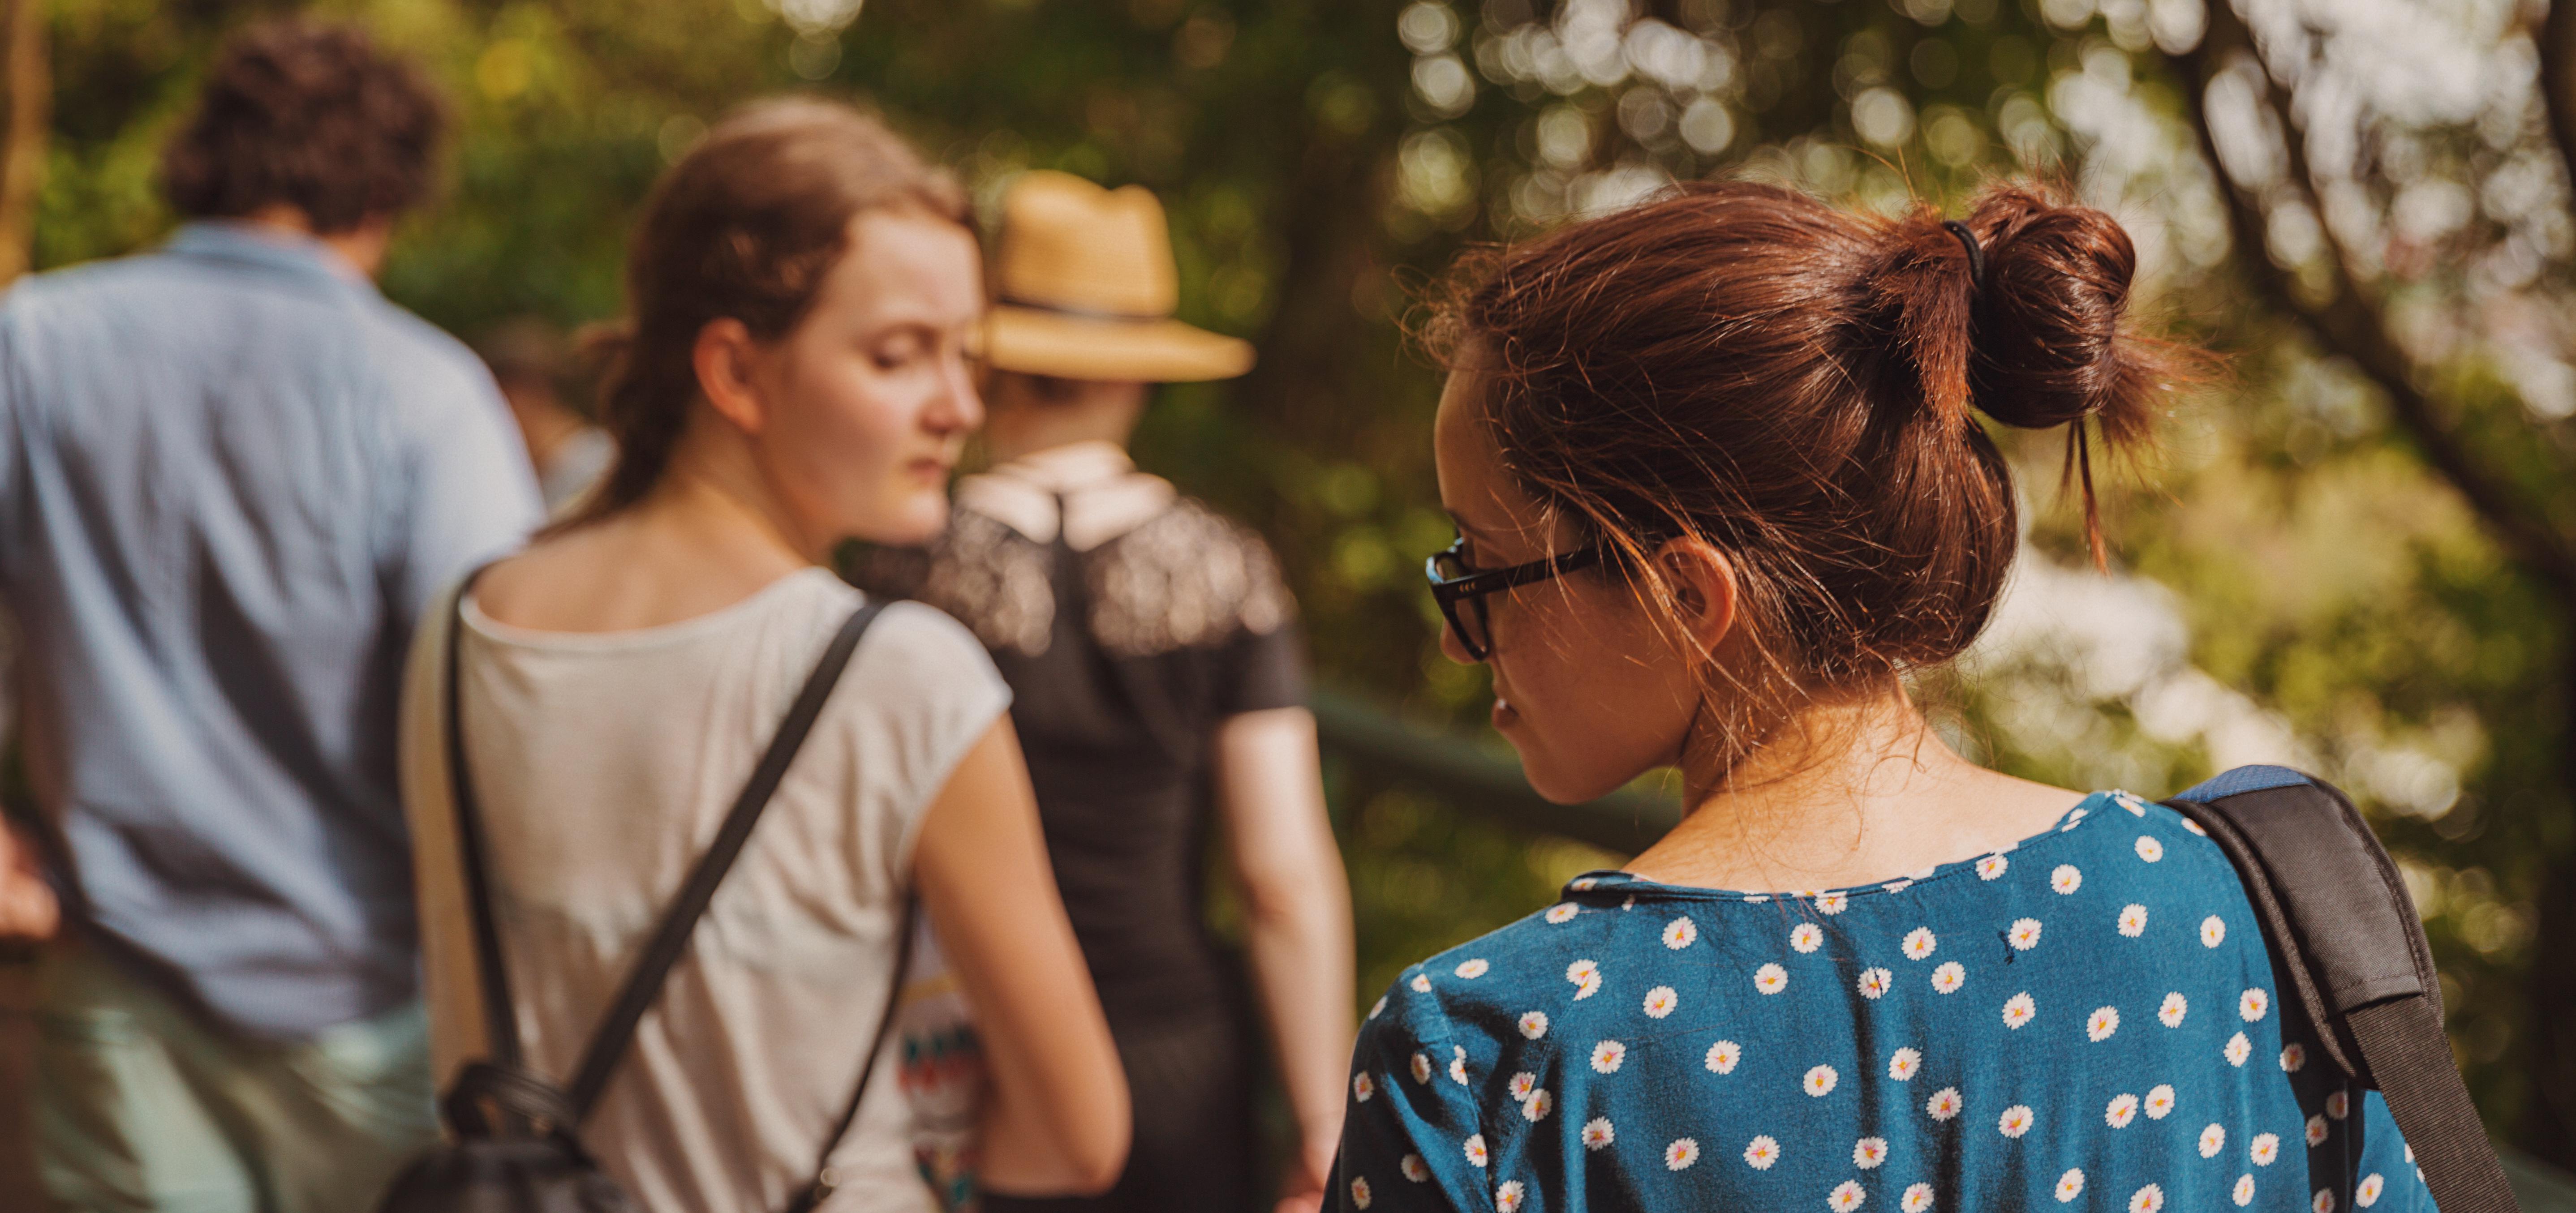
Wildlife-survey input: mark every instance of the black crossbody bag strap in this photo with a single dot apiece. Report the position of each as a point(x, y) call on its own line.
point(826, 1179)
point(500, 1022)
point(680, 921)
point(2337, 914)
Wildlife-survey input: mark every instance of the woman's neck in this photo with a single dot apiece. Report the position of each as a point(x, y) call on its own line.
point(706, 538)
point(1846, 794)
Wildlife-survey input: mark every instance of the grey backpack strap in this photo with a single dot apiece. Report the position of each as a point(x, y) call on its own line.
point(2338, 917)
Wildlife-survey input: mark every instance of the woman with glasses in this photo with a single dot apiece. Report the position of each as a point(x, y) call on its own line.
point(1724, 482)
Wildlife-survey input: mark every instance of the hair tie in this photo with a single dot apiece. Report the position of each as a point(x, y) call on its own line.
point(1976, 252)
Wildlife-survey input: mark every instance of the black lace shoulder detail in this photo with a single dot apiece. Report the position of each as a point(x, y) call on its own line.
point(1186, 578)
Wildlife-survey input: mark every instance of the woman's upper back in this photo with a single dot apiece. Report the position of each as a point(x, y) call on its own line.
point(2085, 1018)
point(603, 762)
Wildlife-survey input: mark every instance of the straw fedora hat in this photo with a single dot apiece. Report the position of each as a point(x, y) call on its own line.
point(1087, 287)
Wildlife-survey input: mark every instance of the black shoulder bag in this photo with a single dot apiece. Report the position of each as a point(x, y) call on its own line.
point(2339, 919)
point(529, 1158)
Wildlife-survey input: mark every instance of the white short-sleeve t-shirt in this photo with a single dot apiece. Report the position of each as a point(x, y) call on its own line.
point(604, 764)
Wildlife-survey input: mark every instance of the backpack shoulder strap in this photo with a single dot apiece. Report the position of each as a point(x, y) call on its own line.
point(2338, 916)
point(680, 921)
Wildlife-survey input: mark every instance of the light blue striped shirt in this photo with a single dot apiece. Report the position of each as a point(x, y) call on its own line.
point(231, 475)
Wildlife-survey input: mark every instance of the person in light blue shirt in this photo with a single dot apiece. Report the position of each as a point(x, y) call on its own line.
point(231, 476)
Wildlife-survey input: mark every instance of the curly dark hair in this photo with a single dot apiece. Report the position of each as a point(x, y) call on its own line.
point(307, 114)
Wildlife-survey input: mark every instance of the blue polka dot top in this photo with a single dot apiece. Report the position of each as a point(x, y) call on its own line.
point(2084, 1020)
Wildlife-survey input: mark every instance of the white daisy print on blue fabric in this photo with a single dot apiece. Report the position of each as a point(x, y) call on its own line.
point(1415, 1169)
point(2263, 1149)
point(1770, 979)
point(2160, 1102)
point(1584, 884)
point(1875, 982)
point(2147, 1199)
point(2123, 1109)
point(1760, 1153)
point(1681, 1154)
point(2195, 827)
point(1723, 1055)
point(1902, 1065)
point(1806, 937)
point(2149, 848)
point(2174, 1008)
point(2322, 1202)
point(1521, 1085)
point(2294, 1057)
point(1680, 932)
point(2213, 1139)
point(1846, 1196)
point(2366, 1193)
point(2243, 1195)
point(1992, 866)
point(2135, 806)
point(1820, 1081)
point(1607, 1056)
point(1919, 943)
point(1421, 983)
point(1586, 976)
point(2102, 1023)
point(1475, 1151)
point(1755, 899)
point(1534, 1025)
point(2015, 1121)
point(2238, 1049)
point(1660, 1002)
point(2024, 934)
point(2070, 1185)
point(1360, 1194)
point(2316, 1131)
point(1897, 886)
point(1597, 1133)
point(1563, 911)
point(1917, 1198)
point(1363, 1087)
point(1537, 1106)
point(2252, 1004)
point(2018, 1009)
point(1421, 1069)
point(1379, 1006)
point(1832, 903)
point(1507, 1197)
point(1949, 977)
point(1868, 1152)
point(2213, 931)
point(2066, 879)
point(2338, 1105)
point(2133, 920)
point(1472, 969)
point(1458, 1065)
point(1943, 1105)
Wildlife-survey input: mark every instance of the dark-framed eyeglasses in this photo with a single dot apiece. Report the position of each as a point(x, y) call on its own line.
point(1461, 589)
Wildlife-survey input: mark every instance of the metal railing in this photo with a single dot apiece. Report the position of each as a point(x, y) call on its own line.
point(1477, 780)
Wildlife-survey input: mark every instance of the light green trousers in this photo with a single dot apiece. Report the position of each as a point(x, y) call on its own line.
point(139, 1106)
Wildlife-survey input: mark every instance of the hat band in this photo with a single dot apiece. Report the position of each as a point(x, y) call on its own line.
point(1081, 313)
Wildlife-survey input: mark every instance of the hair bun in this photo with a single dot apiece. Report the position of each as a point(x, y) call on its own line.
point(2047, 344)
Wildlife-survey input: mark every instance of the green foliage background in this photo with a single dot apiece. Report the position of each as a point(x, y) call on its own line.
point(1316, 186)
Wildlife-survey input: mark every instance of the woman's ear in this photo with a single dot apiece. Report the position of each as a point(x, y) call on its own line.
point(726, 357)
point(1703, 587)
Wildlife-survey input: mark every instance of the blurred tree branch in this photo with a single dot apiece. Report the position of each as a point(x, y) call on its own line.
point(22, 148)
point(2348, 323)
point(2558, 77)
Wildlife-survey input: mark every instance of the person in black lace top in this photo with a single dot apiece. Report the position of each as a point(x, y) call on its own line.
point(1159, 685)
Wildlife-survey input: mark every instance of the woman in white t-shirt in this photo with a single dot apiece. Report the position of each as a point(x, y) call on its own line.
point(803, 290)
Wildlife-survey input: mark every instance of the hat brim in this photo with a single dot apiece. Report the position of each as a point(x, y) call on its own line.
point(1035, 342)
